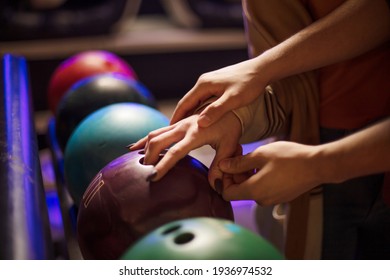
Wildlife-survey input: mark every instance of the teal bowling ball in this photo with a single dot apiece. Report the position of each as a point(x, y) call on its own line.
point(93, 93)
point(103, 136)
point(202, 238)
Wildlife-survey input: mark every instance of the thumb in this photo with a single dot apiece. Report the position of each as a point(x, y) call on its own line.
point(214, 111)
point(239, 164)
point(224, 151)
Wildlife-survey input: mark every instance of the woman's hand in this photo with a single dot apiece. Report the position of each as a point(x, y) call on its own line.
point(234, 86)
point(185, 136)
point(271, 174)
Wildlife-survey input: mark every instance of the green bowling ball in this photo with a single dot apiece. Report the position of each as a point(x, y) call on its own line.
point(103, 136)
point(202, 238)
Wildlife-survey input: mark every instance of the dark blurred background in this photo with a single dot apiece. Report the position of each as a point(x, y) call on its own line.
point(169, 43)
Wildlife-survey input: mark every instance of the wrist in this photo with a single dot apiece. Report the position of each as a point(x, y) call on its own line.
point(265, 67)
point(328, 164)
point(274, 64)
point(235, 123)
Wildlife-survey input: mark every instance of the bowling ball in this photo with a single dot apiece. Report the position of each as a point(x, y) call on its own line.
point(202, 238)
point(93, 93)
point(120, 206)
point(101, 137)
point(82, 65)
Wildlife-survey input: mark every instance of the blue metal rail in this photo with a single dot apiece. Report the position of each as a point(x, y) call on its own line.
point(24, 220)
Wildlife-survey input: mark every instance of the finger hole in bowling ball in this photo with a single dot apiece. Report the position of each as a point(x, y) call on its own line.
point(141, 160)
point(142, 152)
point(171, 229)
point(184, 238)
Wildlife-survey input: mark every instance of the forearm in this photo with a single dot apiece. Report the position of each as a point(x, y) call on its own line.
point(350, 30)
point(363, 153)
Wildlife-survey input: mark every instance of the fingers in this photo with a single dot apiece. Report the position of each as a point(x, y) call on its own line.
point(183, 108)
point(214, 111)
point(242, 191)
point(138, 145)
point(226, 149)
point(214, 172)
point(240, 176)
point(190, 101)
point(240, 164)
point(143, 141)
point(232, 179)
point(163, 159)
point(180, 139)
point(159, 142)
point(155, 143)
point(171, 157)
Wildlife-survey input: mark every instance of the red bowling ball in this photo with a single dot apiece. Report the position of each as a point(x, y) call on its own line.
point(83, 65)
point(120, 205)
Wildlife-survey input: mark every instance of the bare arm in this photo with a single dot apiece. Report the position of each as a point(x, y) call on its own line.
point(350, 30)
point(353, 28)
point(363, 153)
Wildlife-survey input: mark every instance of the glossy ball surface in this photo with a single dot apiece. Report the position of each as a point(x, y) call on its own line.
point(103, 136)
point(80, 66)
point(120, 206)
point(202, 239)
point(93, 93)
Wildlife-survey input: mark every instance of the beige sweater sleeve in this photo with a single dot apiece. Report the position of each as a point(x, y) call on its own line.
point(263, 118)
point(267, 24)
point(289, 107)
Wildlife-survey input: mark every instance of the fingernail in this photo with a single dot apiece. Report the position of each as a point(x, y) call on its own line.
point(151, 176)
point(218, 186)
point(204, 121)
point(130, 145)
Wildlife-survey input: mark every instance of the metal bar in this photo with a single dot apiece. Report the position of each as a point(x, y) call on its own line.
point(24, 221)
point(68, 208)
